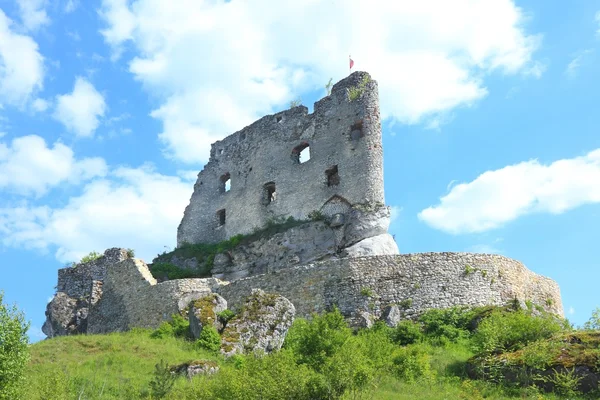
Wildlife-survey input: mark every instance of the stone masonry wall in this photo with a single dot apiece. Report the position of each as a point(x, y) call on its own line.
point(415, 282)
point(341, 134)
point(130, 297)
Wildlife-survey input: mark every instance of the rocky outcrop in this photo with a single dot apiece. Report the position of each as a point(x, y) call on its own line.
point(204, 311)
point(260, 326)
point(197, 367)
point(65, 316)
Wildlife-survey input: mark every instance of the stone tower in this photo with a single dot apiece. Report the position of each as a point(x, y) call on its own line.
point(263, 172)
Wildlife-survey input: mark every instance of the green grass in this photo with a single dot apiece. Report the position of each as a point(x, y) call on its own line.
point(318, 355)
point(109, 366)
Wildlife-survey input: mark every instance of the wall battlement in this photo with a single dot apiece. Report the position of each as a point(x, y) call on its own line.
point(261, 163)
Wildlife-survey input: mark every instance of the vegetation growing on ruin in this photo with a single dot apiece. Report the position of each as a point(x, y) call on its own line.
point(162, 266)
point(354, 92)
point(439, 356)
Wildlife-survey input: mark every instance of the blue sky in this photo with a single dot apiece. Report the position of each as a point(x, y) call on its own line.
point(491, 122)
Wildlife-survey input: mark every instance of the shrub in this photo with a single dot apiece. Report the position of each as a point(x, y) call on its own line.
point(411, 363)
point(162, 381)
point(91, 256)
point(14, 353)
point(318, 339)
point(355, 92)
point(209, 339)
point(507, 331)
point(449, 324)
point(130, 253)
point(225, 316)
point(366, 291)
point(406, 332)
point(176, 327)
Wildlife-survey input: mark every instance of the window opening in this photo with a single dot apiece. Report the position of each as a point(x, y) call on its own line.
point(269, 193)
point(221, 217)
point(301, 153)
point(225, 183)
point(333, 177)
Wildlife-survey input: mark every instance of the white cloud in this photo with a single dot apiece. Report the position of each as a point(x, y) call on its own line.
point(573, 67)
point(28, 166)
point(21, 65)
point(220, 65)
point(571, 311)
point(80, 110)
point(33, 13)
point(40, 105)
point(132, 208)
point(497, 197)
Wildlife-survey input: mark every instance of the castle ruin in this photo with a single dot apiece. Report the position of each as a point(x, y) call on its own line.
point(324, 171)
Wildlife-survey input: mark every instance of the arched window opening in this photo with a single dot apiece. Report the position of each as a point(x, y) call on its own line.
point(225, 183)
point(301, 153)
point(269, 193)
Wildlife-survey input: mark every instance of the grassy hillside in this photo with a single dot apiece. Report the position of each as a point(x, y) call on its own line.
point(321, 359)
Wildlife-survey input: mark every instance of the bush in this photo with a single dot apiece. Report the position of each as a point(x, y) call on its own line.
point(209, 339)
point(14, 353)
point(318, 339)
point(406, 332)
point(412, 363)
point(91, 256)
point(508, 331)
point(177, 327)
point(225, 316)
point(447, 324)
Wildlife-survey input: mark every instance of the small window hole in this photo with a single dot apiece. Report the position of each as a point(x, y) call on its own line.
point(333, 177)
point(279, 118)
point(225, 183)
point(269, 193)
point(301, 153)
point(221, 217)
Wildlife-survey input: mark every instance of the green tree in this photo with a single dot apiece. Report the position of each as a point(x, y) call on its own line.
point(14, 353)
point(594, 322)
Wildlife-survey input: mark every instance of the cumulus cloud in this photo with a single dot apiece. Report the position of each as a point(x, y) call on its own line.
point(497, 197)
point(394, 213)
point(29, 166)
point(132, 207)
point(80, 110)
point(21, 65)
point(33, 13)
point(220, 65)
point(40, 105)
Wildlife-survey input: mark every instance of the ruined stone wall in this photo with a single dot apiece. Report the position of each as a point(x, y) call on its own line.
point(361, 287)
point(341, 134)
point(414, 282)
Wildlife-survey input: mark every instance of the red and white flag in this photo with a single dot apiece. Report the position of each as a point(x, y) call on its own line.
point(351, 62)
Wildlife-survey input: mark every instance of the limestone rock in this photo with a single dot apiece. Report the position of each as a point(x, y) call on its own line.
point(204, 311)
point(65, 316)
point(391, 316)
point(383, 244)
point(260, 326)
point(364, 320)
point(367, 223)
point(193, 368)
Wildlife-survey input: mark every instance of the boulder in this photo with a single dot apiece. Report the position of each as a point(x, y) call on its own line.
point(366, 223)
point(260, 326)
point(197, 367)
point(391, 316)
point(383, 244)
point(203, 312)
